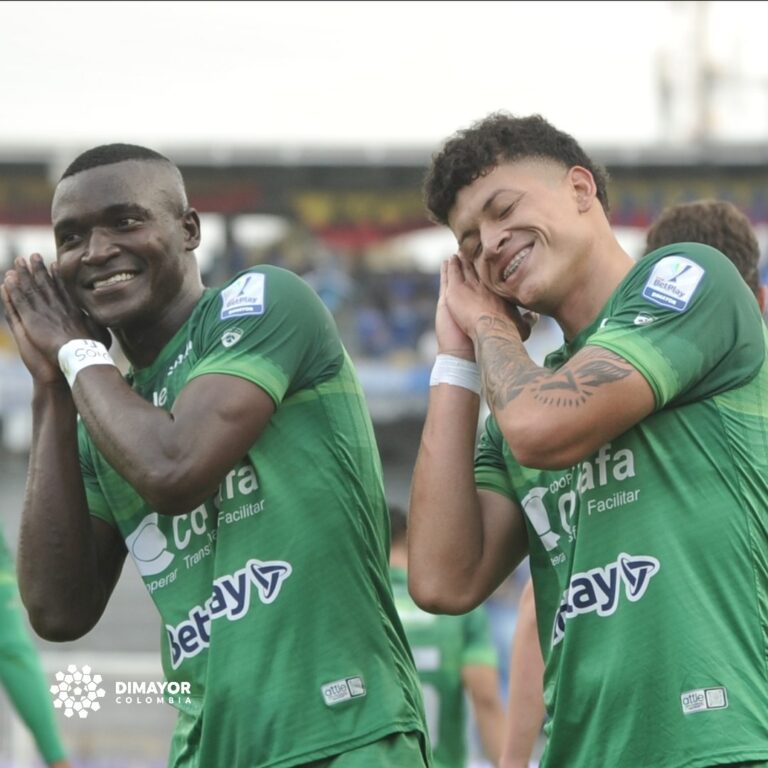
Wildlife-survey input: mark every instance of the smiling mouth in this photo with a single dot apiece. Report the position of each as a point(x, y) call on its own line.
point(121, 277)
point(511, 268)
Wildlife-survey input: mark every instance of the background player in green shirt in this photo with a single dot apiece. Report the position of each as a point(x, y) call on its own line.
point(454, 655)
point(235, 463)
point(632, 466)
point(21, 673)
point(722, 225)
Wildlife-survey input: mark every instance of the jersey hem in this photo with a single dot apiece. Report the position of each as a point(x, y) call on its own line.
point(268, 387)
point(727, 759)
point(708, 761)
point(335, 750)
point(659, 396)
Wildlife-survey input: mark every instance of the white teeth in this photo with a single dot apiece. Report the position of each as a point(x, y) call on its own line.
point(515, 263)
point(119, 278)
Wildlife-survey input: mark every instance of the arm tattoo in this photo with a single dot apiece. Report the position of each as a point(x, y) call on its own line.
point(572, 384)
point(508, 370)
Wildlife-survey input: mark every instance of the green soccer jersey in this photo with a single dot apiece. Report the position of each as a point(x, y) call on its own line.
point(650, 558)
point(442, 646)
point(274, 594)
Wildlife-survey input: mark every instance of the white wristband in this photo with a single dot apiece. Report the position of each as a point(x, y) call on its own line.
point(80, 353)
point(456, 371)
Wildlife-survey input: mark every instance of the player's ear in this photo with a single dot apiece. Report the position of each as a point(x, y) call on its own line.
point(762, 298)
point(190, 220)
point(584, 187)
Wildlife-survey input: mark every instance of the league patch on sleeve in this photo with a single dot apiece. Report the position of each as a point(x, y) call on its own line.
point(673, 282)
point(244, 297)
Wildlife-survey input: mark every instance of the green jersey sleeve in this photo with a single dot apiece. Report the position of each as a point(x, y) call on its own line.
point(673, 298)
point(268, 326)
point(491, 471)
point(97, 503)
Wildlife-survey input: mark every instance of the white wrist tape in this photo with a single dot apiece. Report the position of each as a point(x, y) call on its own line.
point(80, 353)
point(456, 371)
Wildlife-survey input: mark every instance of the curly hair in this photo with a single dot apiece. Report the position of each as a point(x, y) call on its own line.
point(475, 151)
point(713, 222)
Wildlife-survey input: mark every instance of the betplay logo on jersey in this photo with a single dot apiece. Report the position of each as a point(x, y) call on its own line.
point(231, 600)
point(599, 589)
point(244, 297)
point(673, 282)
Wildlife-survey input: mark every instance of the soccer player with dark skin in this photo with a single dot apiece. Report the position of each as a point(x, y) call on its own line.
point(271, 578)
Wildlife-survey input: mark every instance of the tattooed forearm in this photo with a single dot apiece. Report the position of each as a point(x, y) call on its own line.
point(506, 367)
point(508, 371)
point(576, 380)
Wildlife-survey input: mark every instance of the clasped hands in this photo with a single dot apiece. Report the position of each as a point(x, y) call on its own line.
point(463, 301)
point(42, 316)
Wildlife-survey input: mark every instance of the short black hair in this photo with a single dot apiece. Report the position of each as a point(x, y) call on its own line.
point(107, 154)
point(398, 523)
point(500, 137)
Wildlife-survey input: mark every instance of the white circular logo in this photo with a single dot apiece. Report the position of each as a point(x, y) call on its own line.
point(76, 691)
point(229, 338)
point(148, 547)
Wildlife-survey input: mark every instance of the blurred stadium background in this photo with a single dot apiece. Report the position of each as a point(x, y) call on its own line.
point(351, 221)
